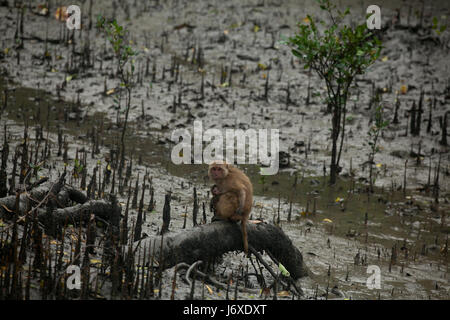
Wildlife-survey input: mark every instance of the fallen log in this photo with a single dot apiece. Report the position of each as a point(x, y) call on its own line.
point(106, 210)
point(70, 193)
point(31, 198)
point(57, 197)
point(28, 198)
point(219, 237)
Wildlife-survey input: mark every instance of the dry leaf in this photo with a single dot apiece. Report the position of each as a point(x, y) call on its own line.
point(42, 10)
point(61, 14)
point(209, 289)
point(262, 66)
point(259, 205)
point(283, 294)
point(404, 89)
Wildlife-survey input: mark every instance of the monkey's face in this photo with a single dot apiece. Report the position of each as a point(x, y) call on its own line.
point(218, 171)
point(215, 190)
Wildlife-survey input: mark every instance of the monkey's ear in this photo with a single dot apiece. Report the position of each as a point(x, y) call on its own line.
point(226, 169)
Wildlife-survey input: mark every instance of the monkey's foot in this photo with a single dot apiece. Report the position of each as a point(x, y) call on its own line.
point(216, 218)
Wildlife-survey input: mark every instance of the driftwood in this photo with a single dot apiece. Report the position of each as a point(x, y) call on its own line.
point(103, 209)
point(31, 198)
point(217, 238)
point(58, 196)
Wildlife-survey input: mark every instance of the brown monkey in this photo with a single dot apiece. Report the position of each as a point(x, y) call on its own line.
point(223, 205)
point(236, 195)
point(215, 198)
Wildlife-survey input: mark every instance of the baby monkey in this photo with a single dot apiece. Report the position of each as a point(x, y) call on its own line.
point(232, 195)
point(229, 203)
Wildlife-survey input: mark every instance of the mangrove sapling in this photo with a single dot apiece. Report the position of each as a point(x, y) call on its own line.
point(337, 54)
point(372, 140)
point(117, 37)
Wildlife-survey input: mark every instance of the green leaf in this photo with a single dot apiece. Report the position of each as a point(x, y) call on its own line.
point(283, 270)
point(435, 22)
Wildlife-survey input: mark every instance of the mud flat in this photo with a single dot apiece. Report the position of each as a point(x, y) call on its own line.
point(223, 63)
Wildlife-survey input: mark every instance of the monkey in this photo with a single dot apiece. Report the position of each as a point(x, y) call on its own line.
point(227, 203)
point(235, 195)
point(215, 198)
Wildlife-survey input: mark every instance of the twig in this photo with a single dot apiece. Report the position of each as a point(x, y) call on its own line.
point(259, 257)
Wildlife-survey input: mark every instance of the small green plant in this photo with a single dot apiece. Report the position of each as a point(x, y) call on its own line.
point(337, 54)
point(262, 180)
point(77, 168)
point(438, 27)
point(36, 168)
point(125, 55)
point(372, 140)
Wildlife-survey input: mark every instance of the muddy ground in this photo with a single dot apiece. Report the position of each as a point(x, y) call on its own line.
point(57, 79)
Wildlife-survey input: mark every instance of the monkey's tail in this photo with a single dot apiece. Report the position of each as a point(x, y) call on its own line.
point(244, 235)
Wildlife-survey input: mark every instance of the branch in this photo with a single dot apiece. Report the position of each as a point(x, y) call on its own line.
point(217, 238)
